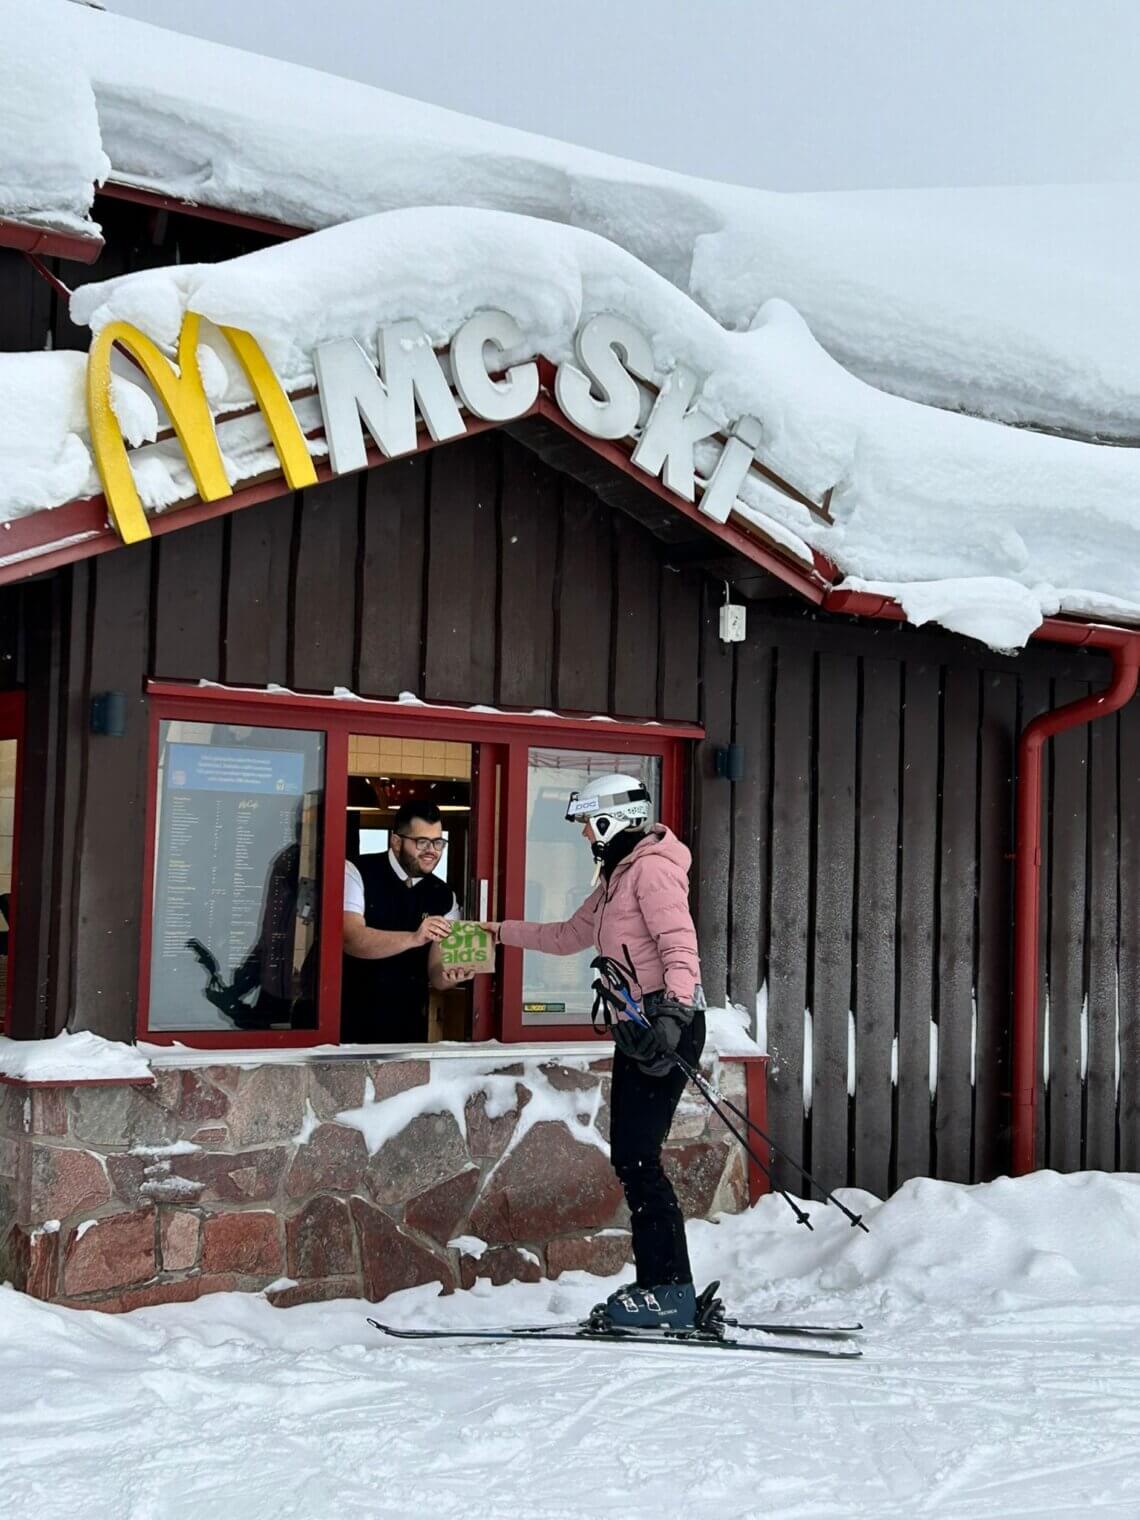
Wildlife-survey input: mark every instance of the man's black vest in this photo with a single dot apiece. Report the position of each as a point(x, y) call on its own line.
point(385, 1001)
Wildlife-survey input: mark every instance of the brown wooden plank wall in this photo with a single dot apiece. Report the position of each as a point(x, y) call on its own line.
point(870, 859)
point(471, 574)
point(34, 315)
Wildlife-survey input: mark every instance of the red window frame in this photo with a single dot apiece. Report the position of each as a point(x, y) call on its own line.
point(12, 710)
point(505, 737)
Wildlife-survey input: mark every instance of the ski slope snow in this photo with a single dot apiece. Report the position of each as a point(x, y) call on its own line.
point(1001, 1377)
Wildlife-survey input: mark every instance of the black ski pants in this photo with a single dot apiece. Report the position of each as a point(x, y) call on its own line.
point(641, 1111)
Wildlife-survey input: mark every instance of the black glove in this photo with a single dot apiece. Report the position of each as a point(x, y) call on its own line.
point(653, 1048)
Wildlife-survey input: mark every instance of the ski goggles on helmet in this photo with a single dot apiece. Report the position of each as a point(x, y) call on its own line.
point(586, 807)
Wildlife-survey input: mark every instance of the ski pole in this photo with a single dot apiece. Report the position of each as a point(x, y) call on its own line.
point(712, 1093)
point(624, 1001)
point(699, 1083)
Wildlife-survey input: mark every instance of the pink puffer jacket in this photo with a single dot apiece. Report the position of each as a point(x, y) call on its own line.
point(644, 906)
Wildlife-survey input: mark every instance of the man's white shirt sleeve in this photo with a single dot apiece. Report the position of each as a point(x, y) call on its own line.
point(353, 889)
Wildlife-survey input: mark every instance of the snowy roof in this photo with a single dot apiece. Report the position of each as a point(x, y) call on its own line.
point(1018, 304)
point(980, 527)
point(976, 525)
point(50, 149)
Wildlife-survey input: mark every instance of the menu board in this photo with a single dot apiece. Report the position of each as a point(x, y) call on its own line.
point(227, 878)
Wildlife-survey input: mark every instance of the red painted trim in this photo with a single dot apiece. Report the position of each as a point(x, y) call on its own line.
point(119, 190)
point(510, 971)
point(1125, 650)
point(89, 515)
point(79, 1082)
point(12, 711)
point(756, 1107)
point(810, 584)
point(332, 886)
point(146, 911)
point(25, 237)
point(672, 754)
point(864, 604)
point(365, 715)
point(487, 761)
point(39, 538)
point(506, 737)
point(329, 964)
point(48, 278)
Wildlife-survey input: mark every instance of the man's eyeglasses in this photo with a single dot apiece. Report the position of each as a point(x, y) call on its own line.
point(425, 846)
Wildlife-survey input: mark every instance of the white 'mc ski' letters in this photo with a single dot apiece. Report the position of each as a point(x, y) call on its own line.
point(493, 400)
point(350, 390)
point(671, 432)
point(731, 469)
point(598, 345)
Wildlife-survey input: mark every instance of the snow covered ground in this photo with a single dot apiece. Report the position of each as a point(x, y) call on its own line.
point(1001, 1377)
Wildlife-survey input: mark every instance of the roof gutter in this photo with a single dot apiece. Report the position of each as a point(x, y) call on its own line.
point(47, 242)
point(1124, 646)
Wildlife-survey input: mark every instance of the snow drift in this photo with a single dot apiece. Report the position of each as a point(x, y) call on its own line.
point(1015, 304)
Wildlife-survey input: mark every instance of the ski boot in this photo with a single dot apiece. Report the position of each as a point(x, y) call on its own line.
point(672, 1306)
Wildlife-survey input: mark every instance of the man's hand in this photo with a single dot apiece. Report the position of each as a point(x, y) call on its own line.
point(452, 976)
point(491, 929)
point(433, 928)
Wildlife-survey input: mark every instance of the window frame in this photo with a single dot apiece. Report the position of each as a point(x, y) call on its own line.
point(13, 711)
point(510, 734)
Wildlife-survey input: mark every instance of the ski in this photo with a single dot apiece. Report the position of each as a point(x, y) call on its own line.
point(821, 1332)
point(583, 1335)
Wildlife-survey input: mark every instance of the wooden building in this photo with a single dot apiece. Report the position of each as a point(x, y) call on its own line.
point(848, 785)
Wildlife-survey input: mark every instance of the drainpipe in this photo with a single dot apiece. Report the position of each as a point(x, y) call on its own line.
point(1125, 650)
point(1124, 646)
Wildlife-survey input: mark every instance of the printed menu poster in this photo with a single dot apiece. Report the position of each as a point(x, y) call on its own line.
point(226, 879)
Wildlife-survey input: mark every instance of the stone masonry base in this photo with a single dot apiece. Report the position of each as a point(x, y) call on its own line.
point(331, 1178)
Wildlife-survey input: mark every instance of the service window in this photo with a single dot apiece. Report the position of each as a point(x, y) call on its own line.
point(8, 765)
point(560, 873)
point(263, 805)
point(237, 864)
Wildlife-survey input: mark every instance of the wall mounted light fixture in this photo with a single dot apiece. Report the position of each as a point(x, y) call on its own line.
point(109, 714)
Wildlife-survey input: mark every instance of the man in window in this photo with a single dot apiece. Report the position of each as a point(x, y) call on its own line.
point(395, 913)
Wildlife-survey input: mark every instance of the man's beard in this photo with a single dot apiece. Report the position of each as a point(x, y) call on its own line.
point(412, 865)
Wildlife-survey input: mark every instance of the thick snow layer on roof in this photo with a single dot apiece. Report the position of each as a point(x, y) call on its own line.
point(50, 153)
point(982, 528)
point(1013, 304)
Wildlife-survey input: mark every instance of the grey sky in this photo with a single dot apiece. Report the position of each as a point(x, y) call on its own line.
point(784, 94)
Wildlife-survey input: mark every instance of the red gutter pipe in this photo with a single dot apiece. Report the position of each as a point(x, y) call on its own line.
point(1124, 646)
point(24, 237)
point(1125, 650)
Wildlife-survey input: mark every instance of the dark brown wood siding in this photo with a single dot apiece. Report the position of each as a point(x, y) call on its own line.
point(34, 316)
point(871, 860)
point(428, 575)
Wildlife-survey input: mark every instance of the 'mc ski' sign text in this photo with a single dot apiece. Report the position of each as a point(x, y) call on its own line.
point(599, 394)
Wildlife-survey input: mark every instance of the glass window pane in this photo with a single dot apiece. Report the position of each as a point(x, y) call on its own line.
point(236, 877)
point(560, 870)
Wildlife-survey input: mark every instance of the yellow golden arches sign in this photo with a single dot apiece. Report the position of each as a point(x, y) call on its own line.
point(387, 392)
point(182, 394)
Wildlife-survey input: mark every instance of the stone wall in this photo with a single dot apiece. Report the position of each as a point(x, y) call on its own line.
point(330, 1178)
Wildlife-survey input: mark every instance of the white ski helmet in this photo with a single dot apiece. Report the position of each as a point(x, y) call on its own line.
point(611, 803)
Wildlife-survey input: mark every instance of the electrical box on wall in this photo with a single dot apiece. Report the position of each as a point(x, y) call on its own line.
point(732, 623)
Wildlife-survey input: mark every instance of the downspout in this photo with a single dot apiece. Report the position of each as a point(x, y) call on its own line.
point(1124, 646)
point(1125, 650)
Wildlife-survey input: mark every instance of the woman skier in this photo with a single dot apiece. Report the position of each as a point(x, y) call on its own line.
point(639, 908)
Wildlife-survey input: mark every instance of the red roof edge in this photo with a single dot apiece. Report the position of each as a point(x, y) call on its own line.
point(118, 190)
point(25, 237)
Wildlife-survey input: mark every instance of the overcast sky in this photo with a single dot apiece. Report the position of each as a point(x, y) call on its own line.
point(783, 94)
